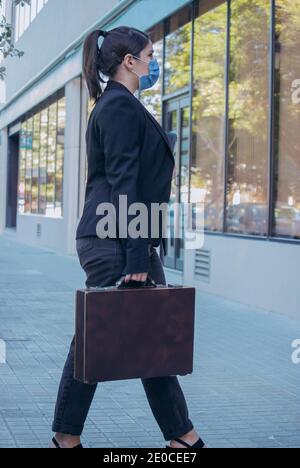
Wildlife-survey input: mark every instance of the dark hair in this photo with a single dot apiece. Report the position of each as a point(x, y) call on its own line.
point(116, 44)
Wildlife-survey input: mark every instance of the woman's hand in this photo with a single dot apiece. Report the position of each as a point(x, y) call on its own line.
point(136, 277)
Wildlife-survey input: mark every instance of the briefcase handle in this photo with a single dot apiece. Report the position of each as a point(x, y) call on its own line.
point(149, 283)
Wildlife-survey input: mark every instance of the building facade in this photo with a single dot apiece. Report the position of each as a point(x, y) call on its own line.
point(229, 87)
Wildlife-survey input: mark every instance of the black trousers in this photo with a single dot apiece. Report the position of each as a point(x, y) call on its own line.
point(103, 262)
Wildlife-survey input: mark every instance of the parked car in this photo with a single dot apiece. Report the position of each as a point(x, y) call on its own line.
point(247, 218)
point(287, 221)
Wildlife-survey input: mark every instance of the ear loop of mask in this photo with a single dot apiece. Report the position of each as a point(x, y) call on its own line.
point(139, 76)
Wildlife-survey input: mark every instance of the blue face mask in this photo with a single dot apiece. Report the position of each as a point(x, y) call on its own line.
point(147, 81)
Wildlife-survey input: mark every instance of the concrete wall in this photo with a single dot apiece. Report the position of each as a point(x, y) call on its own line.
point(57, 25)
point(255, 272)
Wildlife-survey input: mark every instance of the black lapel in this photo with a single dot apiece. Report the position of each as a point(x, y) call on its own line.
point(112, 84)
point(160, 129)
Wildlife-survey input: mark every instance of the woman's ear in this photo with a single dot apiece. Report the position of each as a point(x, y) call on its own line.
point(128, 60)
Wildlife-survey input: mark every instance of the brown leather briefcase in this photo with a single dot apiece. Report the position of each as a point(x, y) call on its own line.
point(126, 332)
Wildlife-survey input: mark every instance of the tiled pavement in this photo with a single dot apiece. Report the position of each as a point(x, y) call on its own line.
point(244, 391)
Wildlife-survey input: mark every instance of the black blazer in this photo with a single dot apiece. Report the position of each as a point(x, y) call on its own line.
point(130, 154)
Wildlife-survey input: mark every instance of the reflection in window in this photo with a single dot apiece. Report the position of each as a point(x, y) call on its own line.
point(28, 167)
point(178, 51)
point(22, 168)
point(172, 125)
point(90, 107)
point(41, 161)
point(207, 166)
point(287, 115)
point(35, 164)
point(151, 98)
point(60, 148)
point(184, 178)
point(248, 139)
point(51, 156)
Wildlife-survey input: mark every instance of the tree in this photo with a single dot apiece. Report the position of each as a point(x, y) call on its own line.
point(7, 47)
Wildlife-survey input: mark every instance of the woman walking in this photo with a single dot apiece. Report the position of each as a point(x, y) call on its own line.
point(128, 154)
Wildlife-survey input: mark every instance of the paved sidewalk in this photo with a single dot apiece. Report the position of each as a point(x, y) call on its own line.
point(244, 391)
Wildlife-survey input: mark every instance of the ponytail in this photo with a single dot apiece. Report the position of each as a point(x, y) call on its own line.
point(90, 64)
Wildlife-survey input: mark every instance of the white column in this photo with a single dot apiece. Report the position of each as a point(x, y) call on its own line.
point(3, 178)
point(71, 163)
point(83, 155)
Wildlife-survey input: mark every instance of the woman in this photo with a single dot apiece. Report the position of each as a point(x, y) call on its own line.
point(128, 154)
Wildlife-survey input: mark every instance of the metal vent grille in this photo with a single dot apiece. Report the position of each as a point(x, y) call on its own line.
point(202, 265)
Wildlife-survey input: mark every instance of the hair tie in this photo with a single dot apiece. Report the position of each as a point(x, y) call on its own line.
point(102, 35)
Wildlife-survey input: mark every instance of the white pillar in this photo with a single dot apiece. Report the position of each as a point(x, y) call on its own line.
point(3, 178)
point(71, 163)
point(83, 155)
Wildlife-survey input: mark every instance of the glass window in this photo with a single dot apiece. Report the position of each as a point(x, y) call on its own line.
point(287, 120)
point(28, 170)
point(33, 9)
point(207, 165)
point(35, 163)
point(51, 156)
point(152, 98)
point(22, 168)
point(248, 138)
point(21, 24)
point(178, 51)
point(42, 161)
point(90, 107)
point(17, 21)
point(61, 117)
point(25, 14)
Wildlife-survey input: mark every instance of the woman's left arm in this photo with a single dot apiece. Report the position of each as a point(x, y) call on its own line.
point(122, 126)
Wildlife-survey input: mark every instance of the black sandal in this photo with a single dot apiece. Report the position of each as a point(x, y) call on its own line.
point(198, 444)
point(58, 446)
